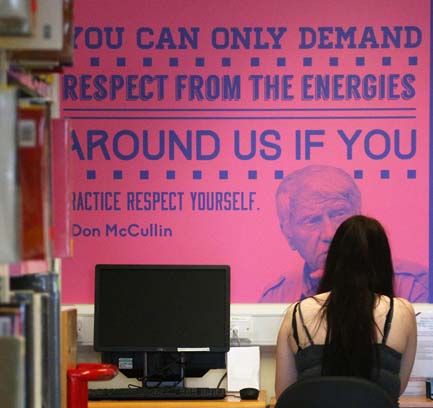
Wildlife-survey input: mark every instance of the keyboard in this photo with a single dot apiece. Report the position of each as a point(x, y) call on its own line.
point(162, 393)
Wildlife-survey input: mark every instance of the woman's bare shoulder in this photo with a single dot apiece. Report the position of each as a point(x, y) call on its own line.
point(312, 306)
point(315, 301)
point(402, 309)
point(403, 306)
point(285, 327)
point(400, 304)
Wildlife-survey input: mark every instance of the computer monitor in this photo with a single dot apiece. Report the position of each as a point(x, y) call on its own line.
point(162, 310)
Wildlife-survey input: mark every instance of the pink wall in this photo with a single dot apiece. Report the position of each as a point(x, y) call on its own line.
point(394, 184)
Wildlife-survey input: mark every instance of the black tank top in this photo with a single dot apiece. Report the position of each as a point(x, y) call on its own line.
point(308, 360)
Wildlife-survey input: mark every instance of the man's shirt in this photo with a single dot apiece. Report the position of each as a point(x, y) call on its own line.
point(410, 282)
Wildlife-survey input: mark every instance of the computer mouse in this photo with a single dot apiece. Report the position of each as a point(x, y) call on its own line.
point(249, 393)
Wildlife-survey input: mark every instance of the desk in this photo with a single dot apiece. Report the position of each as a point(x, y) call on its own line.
point(228, 402)
point(415, 401)
point(409, 401)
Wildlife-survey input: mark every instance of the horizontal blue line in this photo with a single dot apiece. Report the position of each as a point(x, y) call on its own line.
point(234, 117)
point(233, 110)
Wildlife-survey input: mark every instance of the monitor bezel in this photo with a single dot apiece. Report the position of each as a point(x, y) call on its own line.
point(99, 268)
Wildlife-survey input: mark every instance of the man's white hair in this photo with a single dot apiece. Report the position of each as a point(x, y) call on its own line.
point(319, 180)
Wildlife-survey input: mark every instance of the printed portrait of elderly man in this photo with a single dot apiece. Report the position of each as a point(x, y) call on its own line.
point(311, 203)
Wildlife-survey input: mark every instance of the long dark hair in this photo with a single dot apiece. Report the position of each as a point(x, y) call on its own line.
point(358, 267)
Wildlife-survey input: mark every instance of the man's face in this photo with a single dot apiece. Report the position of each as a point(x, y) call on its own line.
point(312, 223)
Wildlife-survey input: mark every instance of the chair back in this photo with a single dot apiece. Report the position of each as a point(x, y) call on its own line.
point(335, 392)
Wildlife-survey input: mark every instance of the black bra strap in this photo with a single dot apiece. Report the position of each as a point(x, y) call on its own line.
point(310, 339)
point(388, 321)
point(295, 326)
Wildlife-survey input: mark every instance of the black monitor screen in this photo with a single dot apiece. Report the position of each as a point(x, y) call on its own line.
point(162, 308)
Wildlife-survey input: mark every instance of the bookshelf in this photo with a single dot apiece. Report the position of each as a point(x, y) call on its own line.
point(33, 237)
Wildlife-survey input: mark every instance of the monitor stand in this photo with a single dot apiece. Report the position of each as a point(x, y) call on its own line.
point(163, 369)
point(145, 365)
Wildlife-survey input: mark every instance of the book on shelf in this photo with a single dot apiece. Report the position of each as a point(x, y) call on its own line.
point(46, 33)
point(12, 354)
point(33, 174)
point(4, 283)
point(12, 319)
point(61, 234)
point(9, 189)
point(34, 372)
point(12, 369)
point(30, 84)
point(48, 285)
point(16, 17)
point(51, 60)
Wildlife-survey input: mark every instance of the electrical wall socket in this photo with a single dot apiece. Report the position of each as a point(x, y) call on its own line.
point(241, 327)
point(85, 329)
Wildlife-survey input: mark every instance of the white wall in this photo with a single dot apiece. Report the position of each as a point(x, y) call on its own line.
point(261, 320)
